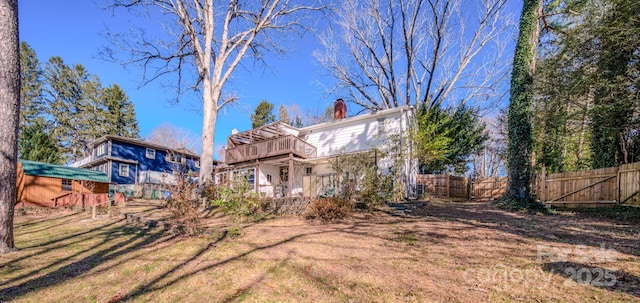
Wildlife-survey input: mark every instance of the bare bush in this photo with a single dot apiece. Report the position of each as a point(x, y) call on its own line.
point(183, 204)
point(329, 209)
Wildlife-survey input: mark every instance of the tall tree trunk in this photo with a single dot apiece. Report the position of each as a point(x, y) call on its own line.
point(520, 105)
point(10, 112)
point(210, 115)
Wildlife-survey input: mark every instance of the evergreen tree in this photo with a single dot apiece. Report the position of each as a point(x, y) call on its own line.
point(445, 140)
point(72, 107)
point(263, 114)
point(31, 87)
point(88, 112)
point(520, 108)
point(433, 138)
point(61, 95)
point(586, 108)
point(297, 121)
point(36, 145)
point(616, 102)
point(120, 118)
point(283, 115)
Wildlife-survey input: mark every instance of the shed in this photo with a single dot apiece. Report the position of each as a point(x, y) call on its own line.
point(39, 183)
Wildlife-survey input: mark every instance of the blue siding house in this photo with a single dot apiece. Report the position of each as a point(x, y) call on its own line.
point(132, 161)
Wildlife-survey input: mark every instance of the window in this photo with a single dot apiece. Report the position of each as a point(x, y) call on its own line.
point(101, 149)
point(308, 170)
point(381, 126)
point(151, 153)
point(123, 170)
point(66, 185)
point(251, 177)
point(269, 179)
point(197, 163)
point(171, 157)
point(284, 174)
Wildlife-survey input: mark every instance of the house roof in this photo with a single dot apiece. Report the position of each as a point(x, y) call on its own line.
point(33, 168)
point(142, 143)
point(371, 115)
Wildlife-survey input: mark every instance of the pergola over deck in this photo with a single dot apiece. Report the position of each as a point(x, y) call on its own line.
point(271, 140)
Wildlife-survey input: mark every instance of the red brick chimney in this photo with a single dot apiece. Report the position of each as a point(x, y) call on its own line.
point(339, 110)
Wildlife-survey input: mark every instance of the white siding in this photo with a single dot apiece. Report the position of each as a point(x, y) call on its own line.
point(363, 133)
point(352, 136)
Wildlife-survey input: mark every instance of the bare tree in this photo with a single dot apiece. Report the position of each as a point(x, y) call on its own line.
point(10, 111)
point(490, 160)
point(221, 151)
point(173, 137)
point(389, 53)
point(207, 40)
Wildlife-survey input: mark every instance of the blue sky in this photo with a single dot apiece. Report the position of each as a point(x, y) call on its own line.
point(73, 30)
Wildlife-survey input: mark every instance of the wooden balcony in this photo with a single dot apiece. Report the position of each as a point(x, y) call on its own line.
point(270, 148)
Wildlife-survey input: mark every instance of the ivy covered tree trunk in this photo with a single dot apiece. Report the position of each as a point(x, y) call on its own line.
point(520, 105)
point(10, 112)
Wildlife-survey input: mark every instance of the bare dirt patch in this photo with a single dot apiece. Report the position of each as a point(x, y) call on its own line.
point(434, 252)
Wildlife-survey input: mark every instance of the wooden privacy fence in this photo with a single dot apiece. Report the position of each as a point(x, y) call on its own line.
point(609, 185)
point(443, 186)
point(461, 187)
point(488, 188)
point(603, 186)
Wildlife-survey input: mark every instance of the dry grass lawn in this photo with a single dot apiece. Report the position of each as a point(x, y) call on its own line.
point(443, 252)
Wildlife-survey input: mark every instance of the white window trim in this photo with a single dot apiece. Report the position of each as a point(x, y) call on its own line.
point(121, 167)
point(70, 185)
point(101, 149)
point(382, 127)
point(177, 158)
point(150, 153)
point(196, 163)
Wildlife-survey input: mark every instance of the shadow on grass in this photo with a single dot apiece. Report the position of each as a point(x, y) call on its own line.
point(578, 274)
point(356, 228)
point(141, 239)
point(59, 242)
point(552, 228)
point(141, 290)
point(154, 285)
point(44, 220)
point(245, 290)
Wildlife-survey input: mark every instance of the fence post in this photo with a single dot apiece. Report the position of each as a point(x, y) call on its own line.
point(93, 207)
point(448, 185)
point(543, 185)
point(618, 181)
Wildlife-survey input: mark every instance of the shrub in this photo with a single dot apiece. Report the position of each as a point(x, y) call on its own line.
point(329, 209)
point(238, 199)
point(375, 188)
point(211, 191)
point(183, 203)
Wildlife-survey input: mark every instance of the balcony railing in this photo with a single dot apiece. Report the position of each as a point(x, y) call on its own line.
point(81, 162)
point(270, 148)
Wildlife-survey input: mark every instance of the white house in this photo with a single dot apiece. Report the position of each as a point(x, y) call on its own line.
point(280, 160)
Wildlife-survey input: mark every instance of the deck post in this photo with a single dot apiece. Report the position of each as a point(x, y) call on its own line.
point(290, 175)
point(256, 178)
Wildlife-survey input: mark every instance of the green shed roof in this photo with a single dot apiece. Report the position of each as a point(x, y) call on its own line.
point(33, 168)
